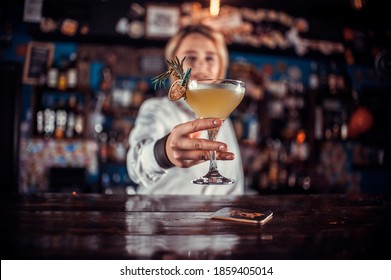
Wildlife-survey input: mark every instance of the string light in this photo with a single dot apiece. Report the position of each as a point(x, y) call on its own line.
point(214, 7)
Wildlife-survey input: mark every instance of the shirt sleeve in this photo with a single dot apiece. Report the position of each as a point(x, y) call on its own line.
point(149, 128)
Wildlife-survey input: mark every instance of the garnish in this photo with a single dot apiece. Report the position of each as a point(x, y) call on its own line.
point(176, 91)
point(178, 88)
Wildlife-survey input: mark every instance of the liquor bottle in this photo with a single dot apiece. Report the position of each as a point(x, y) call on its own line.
point(79, 125)
point(49, 119)
point(72, 71)
point(39, 117)
point(107, 79)
point(40, 122)
point(72, 114)
point(121, 149)
point(332, 79)
point(70, 125)
point(336, 126)
point(105, 87)
point(299, 146)
point(103, 149)
point(79, 120)
point(318, 123)
point(52, 76)
point(344, 125)
point(313, 81)
point(112, 142)
point(61, 120)
point(83, 71)
point(62, 82)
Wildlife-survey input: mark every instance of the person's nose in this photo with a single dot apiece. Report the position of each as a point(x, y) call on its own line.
point(201, 66)
point(200, 70)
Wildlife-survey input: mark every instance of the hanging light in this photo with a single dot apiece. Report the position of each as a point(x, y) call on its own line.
point(214, 8)
point(358, 4)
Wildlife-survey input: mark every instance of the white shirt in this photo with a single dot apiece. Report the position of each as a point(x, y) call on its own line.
point(156, 118)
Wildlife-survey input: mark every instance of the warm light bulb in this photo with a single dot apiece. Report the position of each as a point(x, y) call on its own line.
point(300, 137)
point(214, 7)
point(358, 4)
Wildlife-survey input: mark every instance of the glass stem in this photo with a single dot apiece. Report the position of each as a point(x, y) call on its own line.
point(212, 133)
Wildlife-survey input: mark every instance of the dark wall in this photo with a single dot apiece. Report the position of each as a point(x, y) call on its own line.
point(10, 91)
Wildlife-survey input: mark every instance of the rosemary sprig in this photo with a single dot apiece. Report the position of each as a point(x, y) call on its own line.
point(175, 68)
point(186, 77)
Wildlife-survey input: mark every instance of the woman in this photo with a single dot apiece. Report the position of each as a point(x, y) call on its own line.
point(168, 145)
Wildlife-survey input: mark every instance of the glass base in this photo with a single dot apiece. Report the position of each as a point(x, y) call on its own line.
point(213, 178)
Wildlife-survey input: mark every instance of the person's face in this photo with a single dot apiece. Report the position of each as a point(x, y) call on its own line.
point(201, 56)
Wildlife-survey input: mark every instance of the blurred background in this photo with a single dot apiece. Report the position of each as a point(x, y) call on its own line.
point(315, 119)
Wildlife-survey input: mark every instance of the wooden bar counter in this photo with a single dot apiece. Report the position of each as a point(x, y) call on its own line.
point(96, 226)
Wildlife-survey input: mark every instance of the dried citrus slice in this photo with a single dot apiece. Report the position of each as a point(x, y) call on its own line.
point(177, 91)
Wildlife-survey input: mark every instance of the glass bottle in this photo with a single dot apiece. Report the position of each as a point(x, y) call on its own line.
point(72, 71)
point(52, 76)
point(62, 82)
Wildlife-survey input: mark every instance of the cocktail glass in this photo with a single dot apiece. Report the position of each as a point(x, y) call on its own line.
point(214, 98)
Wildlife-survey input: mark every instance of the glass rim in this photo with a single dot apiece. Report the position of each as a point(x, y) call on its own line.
point(219, 80)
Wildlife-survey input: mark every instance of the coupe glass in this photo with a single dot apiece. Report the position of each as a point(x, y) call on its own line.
point(214, 98)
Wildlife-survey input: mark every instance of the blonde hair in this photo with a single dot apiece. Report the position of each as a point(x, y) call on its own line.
point(216, 37)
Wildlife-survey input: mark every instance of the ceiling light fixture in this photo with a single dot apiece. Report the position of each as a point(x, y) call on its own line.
point(214, 8)
point(358, 4)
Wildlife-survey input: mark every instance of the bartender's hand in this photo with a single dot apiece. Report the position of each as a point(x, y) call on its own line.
point(184, 148)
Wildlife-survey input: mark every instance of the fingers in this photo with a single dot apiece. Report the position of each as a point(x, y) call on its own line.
point(185, 136)
point(184, 149)
point(202, 155)
point(197, 144)
point(185, 153)
point(189, 158)
point(198, 125)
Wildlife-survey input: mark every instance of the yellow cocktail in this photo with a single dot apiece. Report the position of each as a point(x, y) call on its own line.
point(214, 99)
